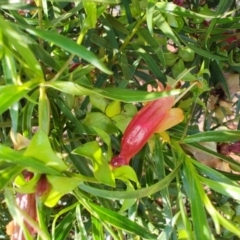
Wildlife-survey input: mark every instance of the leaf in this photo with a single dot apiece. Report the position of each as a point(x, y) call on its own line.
point(91, 12)
point(101, 168)
point(26, 186)
point(115, 23)
point(127, 203)
point(70, 46)
point(126, 173)
point(163, 25)
point(44, 56)
point(195, 195)
point(70, 116)
point(123, 95)
point(14, 37)
point(121, 121)
point(186, 54)
point(151, 63)
point(9, 155)
point(205, 53)
point(157, 48)
point(106, 139)
point(229, 190)
point(214, 136)
point(7, 99)
point(221, 9)
point(149, 17)
point(65, 226)
point(217, 73)
point(113, 109)
point(59, 187)
point(121, 222)
point(40, 144)
point(101, 121)
point(44, 111)
point(97, 229)
point(169, 8)
point(144, 192)
point(8, 174)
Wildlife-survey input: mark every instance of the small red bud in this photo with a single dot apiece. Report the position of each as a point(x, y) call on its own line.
point(43, 186)
point(178, 2)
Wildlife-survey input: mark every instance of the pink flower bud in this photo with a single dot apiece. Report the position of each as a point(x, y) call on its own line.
point(152, 117)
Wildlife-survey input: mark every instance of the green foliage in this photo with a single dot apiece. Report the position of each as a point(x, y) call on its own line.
point(73, 74)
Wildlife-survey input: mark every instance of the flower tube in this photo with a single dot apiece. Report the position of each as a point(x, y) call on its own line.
point(155, 116)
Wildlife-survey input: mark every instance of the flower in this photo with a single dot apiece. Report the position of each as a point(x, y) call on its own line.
point(27, 203)
point(155, 116)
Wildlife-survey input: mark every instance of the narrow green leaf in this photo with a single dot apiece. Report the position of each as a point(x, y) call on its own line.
point(70, 116)
point(231, 191)
point(27, 113)
point(205, 53)
point(123, 61)
point(101, 168)
point(121, 222)
point(116, 23)
point(91, 13)
point(154, 44)
point(40, 142)
point(169, 8)
point(44, 56)
point(82, 234)
point(110, 34)
point(97, 229)
point(228, 225)
point(101, 42)
point(196, 200)
point(151, 63)
point(126, 173)
point(7, 99)
point(70, 46)
point(221, 9)
point(214, 136)
point(65, 225)
point(218, 74)
point(44, 111)
point(160, 169)
point(101, 121)
point(9, 155)
point(144, 192)
point(59, 187)
point(17, 40)
point(124, 95)
point(149, 15)
point(214, 174)
point(8, 174)
point(163, 25)
point(99, 102)
point(9, 68)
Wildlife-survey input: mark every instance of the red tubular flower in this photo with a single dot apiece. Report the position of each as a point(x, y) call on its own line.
point(27, 203)
point(154, 116)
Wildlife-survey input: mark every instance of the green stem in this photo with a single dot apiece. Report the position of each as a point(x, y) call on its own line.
point(40, 17)
point(130, 36)
point(133, 32)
